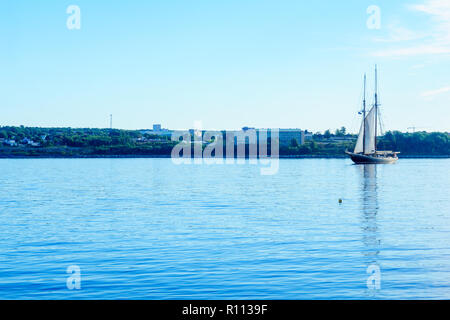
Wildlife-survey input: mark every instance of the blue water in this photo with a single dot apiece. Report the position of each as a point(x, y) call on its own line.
point(149, 229)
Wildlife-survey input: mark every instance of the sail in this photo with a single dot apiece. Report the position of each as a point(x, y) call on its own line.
point(369, 136)
point(359, 143)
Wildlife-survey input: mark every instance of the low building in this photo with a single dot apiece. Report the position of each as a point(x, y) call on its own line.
point(308, 136)
point(11, 143)
point(285, 136)
point(158, 130)
point(29, 142)
point(288, 135)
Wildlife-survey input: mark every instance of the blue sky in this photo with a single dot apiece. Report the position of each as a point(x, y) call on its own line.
point(228, 64)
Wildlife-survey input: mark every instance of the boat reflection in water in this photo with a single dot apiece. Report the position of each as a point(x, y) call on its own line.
point(370, 233)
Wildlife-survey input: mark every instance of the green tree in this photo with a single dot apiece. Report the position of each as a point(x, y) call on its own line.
point(341, 132)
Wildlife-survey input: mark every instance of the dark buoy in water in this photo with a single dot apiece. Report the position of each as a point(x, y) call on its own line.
point(340, 200)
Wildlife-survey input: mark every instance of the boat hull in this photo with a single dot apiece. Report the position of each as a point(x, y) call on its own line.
point(365, 159)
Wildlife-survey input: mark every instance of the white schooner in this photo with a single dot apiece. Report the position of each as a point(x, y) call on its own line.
point(366, 145)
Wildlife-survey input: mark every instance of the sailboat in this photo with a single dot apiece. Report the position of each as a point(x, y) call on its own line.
point(366, 146)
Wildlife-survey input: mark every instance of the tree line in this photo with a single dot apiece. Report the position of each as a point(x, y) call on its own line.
point(104, 142)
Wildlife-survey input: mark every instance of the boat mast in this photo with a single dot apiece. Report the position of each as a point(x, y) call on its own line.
point(376, 106)
point(364, 116)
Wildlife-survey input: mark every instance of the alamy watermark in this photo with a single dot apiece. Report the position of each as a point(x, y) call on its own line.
point(73, 282)
point(74, 20)
point(374, 20)
point(228, 147)
point(374, 279)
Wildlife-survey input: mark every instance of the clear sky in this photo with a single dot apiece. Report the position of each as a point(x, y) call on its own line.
point(228, 64)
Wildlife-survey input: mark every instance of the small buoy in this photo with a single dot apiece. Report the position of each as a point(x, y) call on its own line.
point(340, 200)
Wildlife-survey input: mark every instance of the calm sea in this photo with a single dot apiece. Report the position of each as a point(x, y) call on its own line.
point(149, 229)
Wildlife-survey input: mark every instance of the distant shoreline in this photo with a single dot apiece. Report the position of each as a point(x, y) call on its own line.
point(68, 143)
point(168, 157)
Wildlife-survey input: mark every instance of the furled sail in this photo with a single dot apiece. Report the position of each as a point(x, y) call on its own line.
point(369, 137)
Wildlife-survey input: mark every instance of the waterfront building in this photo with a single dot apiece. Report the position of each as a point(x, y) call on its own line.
point(158, 130)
